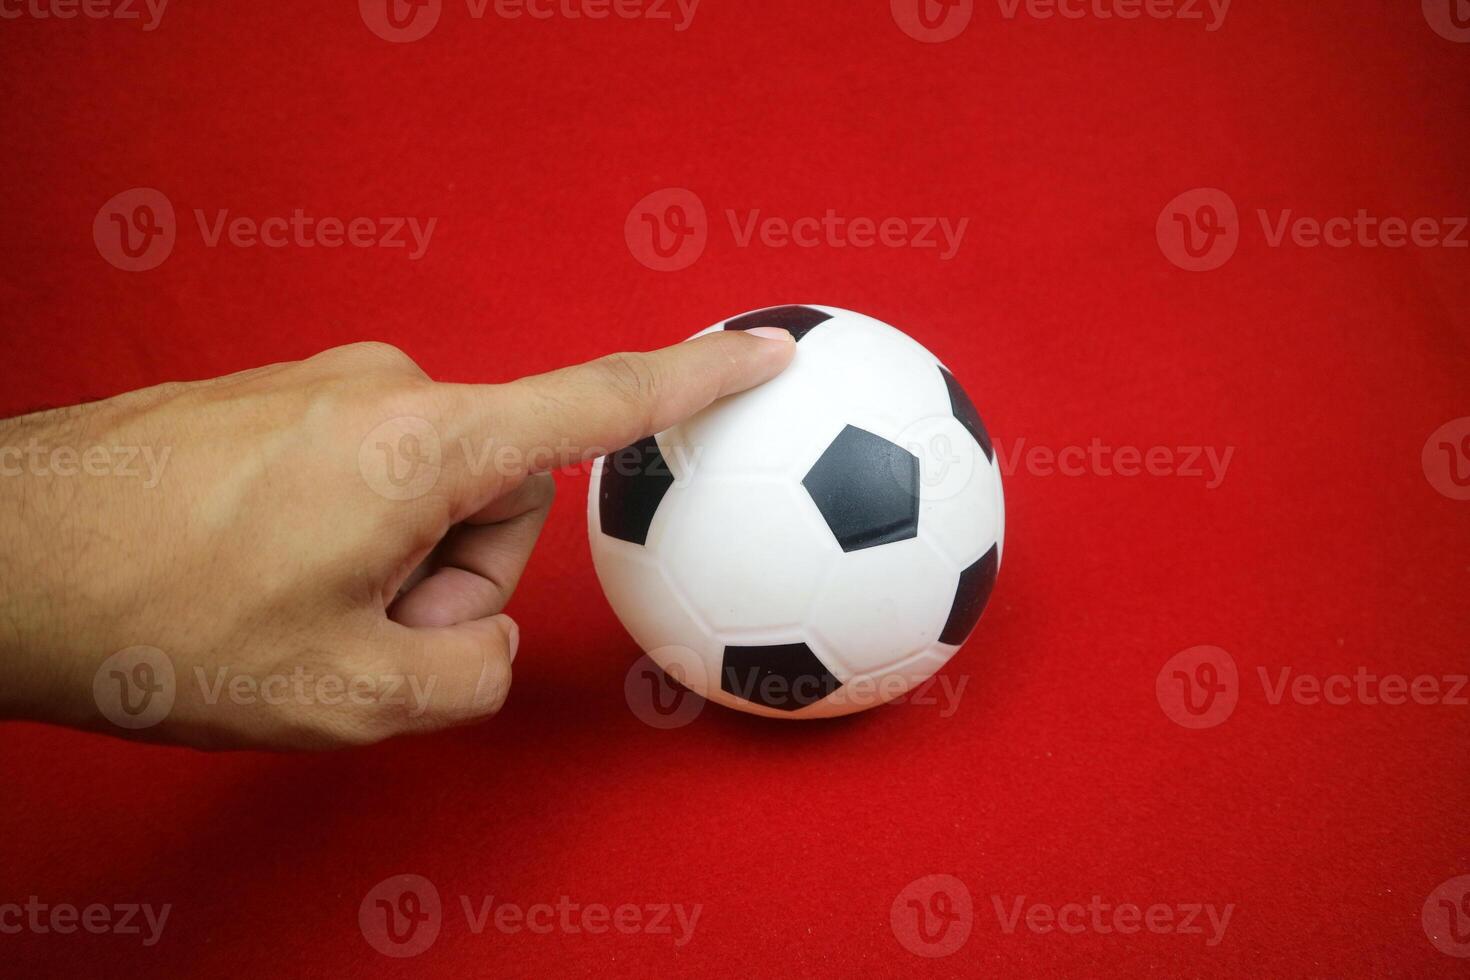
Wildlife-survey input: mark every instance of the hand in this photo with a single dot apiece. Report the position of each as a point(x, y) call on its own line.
point(310, 554)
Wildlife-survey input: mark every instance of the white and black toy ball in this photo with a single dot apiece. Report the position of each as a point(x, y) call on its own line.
point(817, 545)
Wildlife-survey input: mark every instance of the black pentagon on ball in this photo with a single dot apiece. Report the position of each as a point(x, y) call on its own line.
point(798, 320)
point(634, 481)
point(970, 597)
point(867, 489)
point(784, 676)
point(964, 411)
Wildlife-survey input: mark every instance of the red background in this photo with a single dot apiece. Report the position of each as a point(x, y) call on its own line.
point(1325, 549)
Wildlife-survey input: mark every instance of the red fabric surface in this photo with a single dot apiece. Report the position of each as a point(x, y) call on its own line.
point(1324, 549)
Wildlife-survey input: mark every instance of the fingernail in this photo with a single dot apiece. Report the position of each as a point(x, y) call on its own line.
point(512, 637)
point(771, 333)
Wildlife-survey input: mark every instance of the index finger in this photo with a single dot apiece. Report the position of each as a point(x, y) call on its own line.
point(566, 416)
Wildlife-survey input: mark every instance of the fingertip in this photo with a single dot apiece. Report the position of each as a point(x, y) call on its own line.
point(493, 685)
point(774, 348)
point(772, 333)
point(512, 631)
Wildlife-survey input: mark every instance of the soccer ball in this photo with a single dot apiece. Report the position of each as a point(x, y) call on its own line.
point(815, 546)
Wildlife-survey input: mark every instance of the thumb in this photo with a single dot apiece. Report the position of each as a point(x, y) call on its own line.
point(456, 675)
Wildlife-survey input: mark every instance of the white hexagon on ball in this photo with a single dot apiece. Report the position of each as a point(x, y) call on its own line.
point(814, 546)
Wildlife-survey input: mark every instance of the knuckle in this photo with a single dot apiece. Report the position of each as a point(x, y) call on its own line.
point(388, 407)
point(382, 350)
point(631, 377)
point(167, 390)
point(379, 354)
point(398, 397)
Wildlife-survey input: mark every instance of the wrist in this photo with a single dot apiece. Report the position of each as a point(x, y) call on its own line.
point(34, 674)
